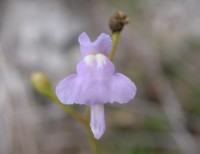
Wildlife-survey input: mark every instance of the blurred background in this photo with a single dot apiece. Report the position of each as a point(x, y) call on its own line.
point(159, 50)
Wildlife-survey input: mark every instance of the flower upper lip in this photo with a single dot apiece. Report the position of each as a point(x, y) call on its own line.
point(102, 44)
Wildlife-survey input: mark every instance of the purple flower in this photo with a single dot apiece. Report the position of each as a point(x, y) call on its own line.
point(96, 82)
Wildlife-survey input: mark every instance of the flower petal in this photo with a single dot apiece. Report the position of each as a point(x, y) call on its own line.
point(122, 89)
point(84, 39)
point(88, 49)
point(103, 44)
point(91, 91)
point(68, 89)
point(97, 120)
point(82, 90)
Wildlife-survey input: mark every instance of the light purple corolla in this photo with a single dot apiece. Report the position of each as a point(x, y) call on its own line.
point(96, 82)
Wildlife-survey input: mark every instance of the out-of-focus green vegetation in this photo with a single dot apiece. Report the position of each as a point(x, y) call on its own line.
point(156, 123)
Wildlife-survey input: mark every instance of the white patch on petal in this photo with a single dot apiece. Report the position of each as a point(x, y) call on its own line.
point(89, 59)
point(97, 121)
point(101, 60)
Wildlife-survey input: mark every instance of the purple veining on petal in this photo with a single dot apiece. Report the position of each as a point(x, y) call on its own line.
point(102, 44)
point(97, 120)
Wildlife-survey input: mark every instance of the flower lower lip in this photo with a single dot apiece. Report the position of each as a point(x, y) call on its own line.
point(97, 120)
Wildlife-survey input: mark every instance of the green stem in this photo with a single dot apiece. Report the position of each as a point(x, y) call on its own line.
point(115, 38)
point(87, 113)
point(67, 108)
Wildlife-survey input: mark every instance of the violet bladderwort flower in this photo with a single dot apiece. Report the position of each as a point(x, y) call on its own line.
point(96, 82)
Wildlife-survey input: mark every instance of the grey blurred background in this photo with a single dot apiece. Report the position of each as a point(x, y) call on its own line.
point(159, 50)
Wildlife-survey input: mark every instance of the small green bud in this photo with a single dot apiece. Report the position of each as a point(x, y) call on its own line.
point(41, 83)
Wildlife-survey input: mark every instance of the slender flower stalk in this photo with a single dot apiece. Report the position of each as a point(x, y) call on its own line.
point(115, 38)
point(69, 110)
point(116, 24)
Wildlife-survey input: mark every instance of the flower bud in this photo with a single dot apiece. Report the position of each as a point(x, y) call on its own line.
point(117, 21)
point(41, 83)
